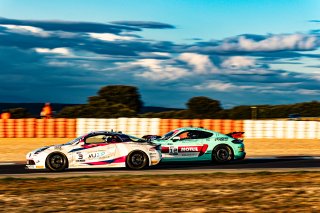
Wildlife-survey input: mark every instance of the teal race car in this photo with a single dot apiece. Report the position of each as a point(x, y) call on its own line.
point(198, 144)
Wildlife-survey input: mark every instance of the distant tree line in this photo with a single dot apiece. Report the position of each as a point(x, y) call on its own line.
point(110, 102)
point(305, 109)
point(125, 101)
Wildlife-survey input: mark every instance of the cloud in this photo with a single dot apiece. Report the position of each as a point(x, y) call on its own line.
point(216, 86)
point(109, 37)
point(26, 30)
point(158, 70)
point(70, 26)
point(60, 51)
point(238, 62)
point(68, 61)
point(308, 92)
point(250, 43)
point(200, 63)
point(144, 24)
point(156, 55)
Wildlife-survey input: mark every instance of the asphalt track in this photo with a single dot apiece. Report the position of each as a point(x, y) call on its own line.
point(268, 164)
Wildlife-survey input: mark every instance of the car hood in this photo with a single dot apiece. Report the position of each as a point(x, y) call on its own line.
point(50, 147)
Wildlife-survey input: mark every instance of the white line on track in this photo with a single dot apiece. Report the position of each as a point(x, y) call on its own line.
point(5, 164)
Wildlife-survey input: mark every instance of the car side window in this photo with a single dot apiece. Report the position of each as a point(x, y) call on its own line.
point(96, 139)
point(203, 134)
point(186, 135)
point(113, 139)
point(194, 134)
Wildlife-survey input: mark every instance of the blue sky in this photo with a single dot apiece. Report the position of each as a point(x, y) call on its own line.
point(239, 52)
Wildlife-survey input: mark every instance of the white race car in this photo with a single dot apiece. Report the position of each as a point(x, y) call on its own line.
point(99, 149)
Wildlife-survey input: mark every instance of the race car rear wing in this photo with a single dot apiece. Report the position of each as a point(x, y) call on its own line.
point(236, 135)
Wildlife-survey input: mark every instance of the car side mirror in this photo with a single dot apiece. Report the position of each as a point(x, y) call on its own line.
point(177, 138)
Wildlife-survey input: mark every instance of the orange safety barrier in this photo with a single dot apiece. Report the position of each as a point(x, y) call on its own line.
point(174, 124)
point(207, 124)
point(60, 126)
point(40, 128)
point(2, 128)
point(196, 123)
point(164, 126)
point(49, 128)
point(238, 126)
point(10, 128)
point(30, 127)
point(185, 122)
point(226, 126)
point(71, 128)
point(20, 128)
point(216, 125)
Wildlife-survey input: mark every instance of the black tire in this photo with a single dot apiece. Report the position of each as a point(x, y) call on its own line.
point(56, 162)
point(222, 154)
point(137, 160)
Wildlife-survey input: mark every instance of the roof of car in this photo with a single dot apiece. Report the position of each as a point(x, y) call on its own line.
point(192, 128)
point(105, 132)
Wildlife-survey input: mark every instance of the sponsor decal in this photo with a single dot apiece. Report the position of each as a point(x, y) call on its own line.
point(116, 160)
point(96, 155)
point(174, 150)
point(189, 149)
point(58, 147)
point(189, 154)
point(221, 139)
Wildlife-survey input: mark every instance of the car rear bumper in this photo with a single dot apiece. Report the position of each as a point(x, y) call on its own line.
point(240, 156)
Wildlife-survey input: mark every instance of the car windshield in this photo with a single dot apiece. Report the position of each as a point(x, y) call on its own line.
point(74, 140)
point(136, 139)
point(168, 135)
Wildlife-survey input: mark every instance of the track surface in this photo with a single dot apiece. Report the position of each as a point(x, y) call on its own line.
point(247, 165)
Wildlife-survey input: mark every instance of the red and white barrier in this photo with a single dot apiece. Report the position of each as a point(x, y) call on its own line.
point(69, 128)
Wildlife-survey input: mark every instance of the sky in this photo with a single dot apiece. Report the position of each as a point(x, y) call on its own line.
point(246, 52)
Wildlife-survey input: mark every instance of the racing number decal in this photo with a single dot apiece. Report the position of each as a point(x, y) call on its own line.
point(173, 150)
point(79, 157)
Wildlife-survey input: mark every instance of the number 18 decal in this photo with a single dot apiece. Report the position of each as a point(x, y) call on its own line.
point(173, 150)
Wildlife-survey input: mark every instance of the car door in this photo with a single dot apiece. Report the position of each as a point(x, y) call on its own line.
point(96, 151)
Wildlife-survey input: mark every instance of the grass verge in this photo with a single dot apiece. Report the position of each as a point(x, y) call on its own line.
point(226, 192)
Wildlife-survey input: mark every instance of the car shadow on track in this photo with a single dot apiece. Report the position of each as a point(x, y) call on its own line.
point(250, 163)
point(243, 164)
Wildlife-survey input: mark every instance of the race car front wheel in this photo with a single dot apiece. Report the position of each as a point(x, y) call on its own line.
point(137, 160)
point(222, 154)
point(56, 162)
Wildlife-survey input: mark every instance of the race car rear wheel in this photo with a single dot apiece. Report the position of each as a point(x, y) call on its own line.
point(56, 162)
point(137, 160)
point(222, 154)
